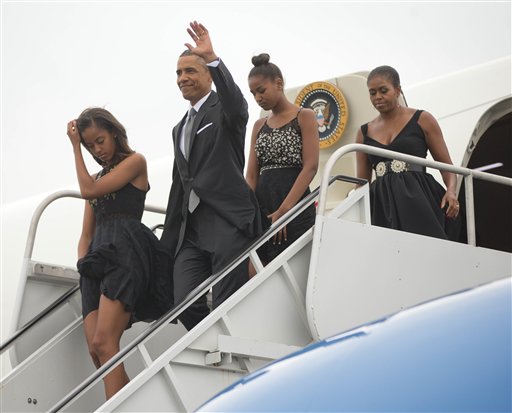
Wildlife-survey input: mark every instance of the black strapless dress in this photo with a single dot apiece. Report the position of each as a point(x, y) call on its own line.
point(411, 200)
point(125, 260)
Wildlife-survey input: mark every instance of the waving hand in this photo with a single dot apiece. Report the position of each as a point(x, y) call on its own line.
point(201, 37)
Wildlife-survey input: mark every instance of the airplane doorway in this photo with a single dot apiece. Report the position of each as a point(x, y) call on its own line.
point(493, 202)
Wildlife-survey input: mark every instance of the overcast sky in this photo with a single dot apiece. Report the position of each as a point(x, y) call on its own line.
point(60, 57)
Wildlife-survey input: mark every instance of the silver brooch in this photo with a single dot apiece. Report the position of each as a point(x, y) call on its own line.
point(398, 166)
point(380, 169)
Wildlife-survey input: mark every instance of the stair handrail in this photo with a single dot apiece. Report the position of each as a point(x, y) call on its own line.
point(468, 174)
point(27, 256)
point(29, 247)
point(40, 316)
point(197, 292)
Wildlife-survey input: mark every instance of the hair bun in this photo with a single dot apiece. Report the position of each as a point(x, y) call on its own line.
point(261, 59)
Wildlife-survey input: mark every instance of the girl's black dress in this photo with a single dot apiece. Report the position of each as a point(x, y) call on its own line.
point(407, 200)
point(125, 260)
point(279, 154)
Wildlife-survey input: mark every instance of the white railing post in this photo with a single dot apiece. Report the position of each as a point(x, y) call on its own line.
point(467, 173)
point(470, 209)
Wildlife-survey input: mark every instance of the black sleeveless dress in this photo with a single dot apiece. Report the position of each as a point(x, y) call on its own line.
point(125, 260)
point(410, 200)
point(279, 154)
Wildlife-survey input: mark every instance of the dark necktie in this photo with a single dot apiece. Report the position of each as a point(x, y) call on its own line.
point(188, 131)
point(193, 199)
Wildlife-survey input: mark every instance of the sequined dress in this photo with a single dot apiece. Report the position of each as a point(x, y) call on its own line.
point(279, 155)
point(125, 260)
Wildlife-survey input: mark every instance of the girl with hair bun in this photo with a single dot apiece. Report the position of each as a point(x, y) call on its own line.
point(283, 157)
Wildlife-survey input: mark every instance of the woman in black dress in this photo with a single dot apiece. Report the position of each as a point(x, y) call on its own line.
point(403, 196)
point(123, 269)
point(283, 156)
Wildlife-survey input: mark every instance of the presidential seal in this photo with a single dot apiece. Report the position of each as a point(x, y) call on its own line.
point(330, 108)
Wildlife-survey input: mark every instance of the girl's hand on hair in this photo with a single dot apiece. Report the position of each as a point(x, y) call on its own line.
point(73, 134)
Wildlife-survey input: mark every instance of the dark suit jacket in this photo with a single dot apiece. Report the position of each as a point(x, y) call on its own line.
point(215, 165)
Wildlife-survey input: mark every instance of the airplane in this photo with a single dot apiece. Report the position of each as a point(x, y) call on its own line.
point(288, 305)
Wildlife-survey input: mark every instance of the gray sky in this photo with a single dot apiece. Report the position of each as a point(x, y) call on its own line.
point(60, 57)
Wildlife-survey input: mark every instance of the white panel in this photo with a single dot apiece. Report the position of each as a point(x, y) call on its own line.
point(153, 396)
point(269, 314)
point(364, 273)
point(48, 375)
point(203, 383)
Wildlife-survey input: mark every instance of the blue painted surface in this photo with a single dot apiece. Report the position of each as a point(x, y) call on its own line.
point(451, 354)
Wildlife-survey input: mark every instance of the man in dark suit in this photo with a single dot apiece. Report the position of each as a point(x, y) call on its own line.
point(212, 214)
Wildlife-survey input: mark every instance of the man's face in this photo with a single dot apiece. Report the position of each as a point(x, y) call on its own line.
point(193, 78)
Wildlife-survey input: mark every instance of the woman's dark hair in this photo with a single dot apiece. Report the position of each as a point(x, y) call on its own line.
point(103, 119)
point(263, 67)
point(388, 72)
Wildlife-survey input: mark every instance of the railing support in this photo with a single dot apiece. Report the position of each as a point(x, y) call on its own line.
point(468, 174)
point(470, 209)
point(29, 248)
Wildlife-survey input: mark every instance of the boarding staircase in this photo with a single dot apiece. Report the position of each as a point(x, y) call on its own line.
point(340, 274)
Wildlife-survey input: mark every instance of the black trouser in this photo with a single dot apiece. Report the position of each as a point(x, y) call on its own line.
point(210, 243)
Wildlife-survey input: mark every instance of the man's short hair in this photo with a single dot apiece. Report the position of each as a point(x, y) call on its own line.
point(188, 52)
